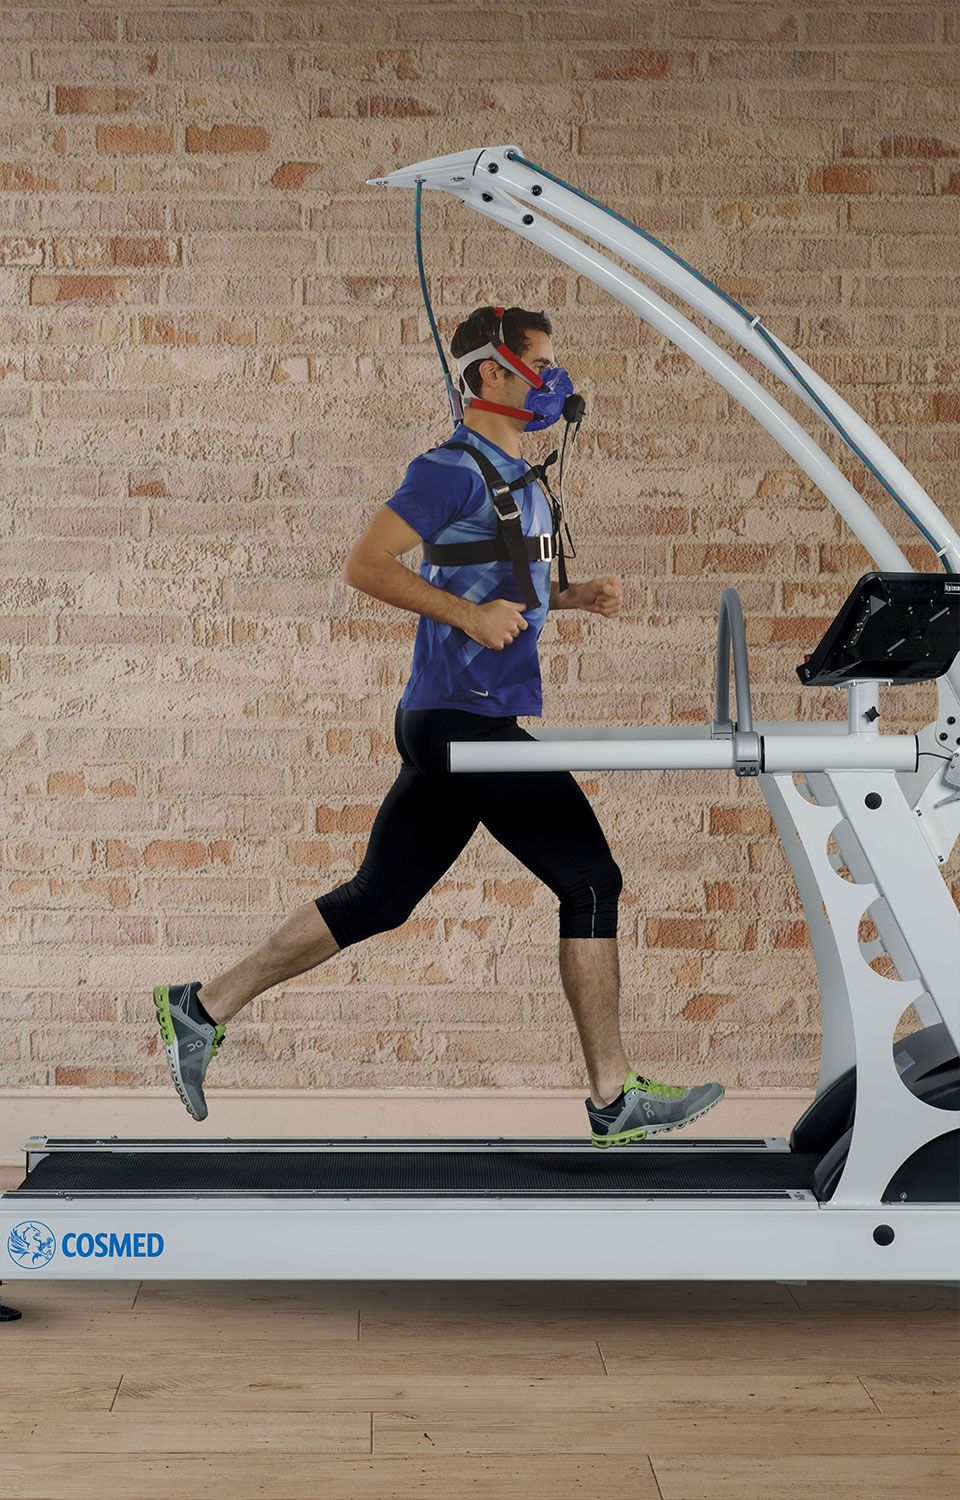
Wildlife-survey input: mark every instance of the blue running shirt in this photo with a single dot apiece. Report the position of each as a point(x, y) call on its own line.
point(445, 498)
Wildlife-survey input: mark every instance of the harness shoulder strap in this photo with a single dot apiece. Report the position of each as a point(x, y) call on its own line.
point(508, 518)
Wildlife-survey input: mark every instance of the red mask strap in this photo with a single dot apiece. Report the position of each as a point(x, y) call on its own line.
point(512, 359)
point(503, 411)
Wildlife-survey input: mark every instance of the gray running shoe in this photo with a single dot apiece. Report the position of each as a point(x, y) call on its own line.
point(649, 1108)
point(189, 1039)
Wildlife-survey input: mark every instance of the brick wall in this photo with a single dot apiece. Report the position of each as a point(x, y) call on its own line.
point(214, 366)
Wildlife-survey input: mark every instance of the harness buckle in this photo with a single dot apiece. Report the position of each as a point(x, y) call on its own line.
point(546, 546)
point(502, 505)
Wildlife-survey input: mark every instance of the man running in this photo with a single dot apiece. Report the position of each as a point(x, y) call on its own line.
point(475, 669)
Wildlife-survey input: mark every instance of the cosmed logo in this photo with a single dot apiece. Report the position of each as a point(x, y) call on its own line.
point(31, 1245)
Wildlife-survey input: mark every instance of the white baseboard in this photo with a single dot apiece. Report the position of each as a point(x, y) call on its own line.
point(306, 1113)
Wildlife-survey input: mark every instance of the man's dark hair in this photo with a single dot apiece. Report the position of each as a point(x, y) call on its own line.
point(481, 328)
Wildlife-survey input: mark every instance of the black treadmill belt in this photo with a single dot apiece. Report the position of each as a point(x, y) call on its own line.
point(616, 1172)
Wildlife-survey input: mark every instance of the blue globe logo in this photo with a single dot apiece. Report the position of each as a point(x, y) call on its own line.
point(31, 1245)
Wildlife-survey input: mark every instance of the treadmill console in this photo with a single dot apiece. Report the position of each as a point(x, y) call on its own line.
point(894, 627)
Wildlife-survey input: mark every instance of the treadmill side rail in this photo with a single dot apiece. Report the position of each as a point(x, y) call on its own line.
point(484, 1239)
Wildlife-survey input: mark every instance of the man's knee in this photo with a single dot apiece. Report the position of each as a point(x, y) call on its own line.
point(355, 911)
point(589, 909)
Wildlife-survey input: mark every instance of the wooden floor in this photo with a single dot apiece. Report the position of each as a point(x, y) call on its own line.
point(380, 1391)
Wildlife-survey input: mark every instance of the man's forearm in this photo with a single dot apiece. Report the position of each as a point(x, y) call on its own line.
point(563, 600)
point(395, 583)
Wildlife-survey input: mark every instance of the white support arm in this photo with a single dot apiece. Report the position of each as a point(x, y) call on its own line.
point(665, 269)
point(488, 180)
point(462, 175)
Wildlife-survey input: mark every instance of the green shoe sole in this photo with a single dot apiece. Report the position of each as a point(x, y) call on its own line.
point(628, 1137)
point(161, 1001)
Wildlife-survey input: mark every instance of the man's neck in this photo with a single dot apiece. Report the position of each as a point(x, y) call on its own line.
point(503, 431)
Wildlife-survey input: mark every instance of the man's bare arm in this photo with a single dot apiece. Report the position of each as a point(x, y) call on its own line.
point(563, 600)
point(372, 566)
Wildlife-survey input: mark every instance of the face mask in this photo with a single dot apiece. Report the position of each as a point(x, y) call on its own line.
point(548, 401)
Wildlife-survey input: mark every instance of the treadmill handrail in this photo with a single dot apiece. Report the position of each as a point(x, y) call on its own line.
point(732, 640)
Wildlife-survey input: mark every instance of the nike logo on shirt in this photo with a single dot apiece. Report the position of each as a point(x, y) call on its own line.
point(479, 694)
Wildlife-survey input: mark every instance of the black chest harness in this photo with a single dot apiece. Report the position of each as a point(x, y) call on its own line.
point(509, 544)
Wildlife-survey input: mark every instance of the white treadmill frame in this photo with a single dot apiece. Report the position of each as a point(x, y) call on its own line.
point(711, 1237)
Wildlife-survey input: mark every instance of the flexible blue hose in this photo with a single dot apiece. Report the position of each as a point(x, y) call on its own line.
point(453, 395)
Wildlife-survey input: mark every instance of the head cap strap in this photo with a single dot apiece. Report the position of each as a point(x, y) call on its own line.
point(502, 355)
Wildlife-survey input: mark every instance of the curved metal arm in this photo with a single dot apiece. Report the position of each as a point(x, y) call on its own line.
point(590, 217)
point(474, 177)
point(731, 632)
point(500, 183)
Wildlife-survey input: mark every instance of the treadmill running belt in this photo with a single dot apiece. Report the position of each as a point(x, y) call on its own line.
point(615, 1172)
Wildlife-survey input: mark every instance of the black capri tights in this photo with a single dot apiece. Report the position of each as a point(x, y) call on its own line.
point(429, 815)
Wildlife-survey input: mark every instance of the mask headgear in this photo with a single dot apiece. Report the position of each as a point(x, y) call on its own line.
point(548, 394)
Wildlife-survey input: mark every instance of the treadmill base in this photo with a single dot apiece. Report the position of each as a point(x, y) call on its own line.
point(457, 1210)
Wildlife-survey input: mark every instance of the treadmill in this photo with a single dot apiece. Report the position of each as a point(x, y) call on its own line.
point(866, 1187)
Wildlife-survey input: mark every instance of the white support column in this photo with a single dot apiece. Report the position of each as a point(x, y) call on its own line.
point(861, 1009)
point(804, 828)
point(910, 882)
